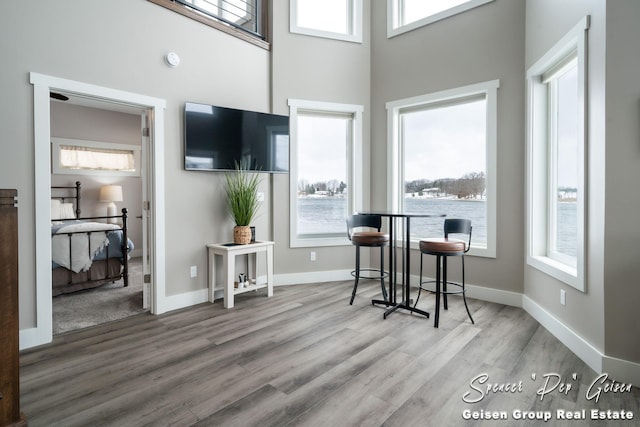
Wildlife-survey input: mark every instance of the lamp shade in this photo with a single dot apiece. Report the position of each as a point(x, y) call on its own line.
point(111, 193)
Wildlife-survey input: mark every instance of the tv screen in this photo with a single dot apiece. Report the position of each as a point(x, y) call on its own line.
point(218, 138)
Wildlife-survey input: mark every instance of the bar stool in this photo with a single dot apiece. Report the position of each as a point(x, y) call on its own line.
point(443, 248)
point(367, 238)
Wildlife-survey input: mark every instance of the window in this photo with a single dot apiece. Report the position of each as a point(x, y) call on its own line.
point(556, 143)
point(72, 156)
point(326, 171)
point(407, 15)
point(334, 19)
point(443, 160)
point(245, 19)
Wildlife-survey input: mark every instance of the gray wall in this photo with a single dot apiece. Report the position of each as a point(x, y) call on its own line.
point(622, 233)
point(583, 312)
point(482, 44)
point(317, 69)
point(121, 44)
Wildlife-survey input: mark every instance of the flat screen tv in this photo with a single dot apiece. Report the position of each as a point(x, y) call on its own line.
point(218, 138)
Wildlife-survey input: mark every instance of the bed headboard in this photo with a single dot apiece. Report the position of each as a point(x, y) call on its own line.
point(68, 195)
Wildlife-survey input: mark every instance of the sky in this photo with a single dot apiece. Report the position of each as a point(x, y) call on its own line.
point(446, 142)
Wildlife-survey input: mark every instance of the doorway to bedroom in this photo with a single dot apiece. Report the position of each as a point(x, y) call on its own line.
point(97, 155)
point(150, 117)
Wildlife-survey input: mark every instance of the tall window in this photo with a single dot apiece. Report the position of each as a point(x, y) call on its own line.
point(444, 160)
point(326, 169)
point(562, 87)
point(335, 19)
point(556, 159)
point(406, 15)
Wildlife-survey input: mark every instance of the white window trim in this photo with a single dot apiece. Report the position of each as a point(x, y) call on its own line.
point(394, 28)
point(55, 157)
point(355, 36)
point(394, 168)
point(538, 159)
point(355, 181)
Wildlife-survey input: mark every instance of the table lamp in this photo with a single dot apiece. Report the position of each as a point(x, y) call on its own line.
point(111, 194)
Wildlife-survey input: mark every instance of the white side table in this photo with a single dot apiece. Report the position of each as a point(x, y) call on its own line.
point(228, 252)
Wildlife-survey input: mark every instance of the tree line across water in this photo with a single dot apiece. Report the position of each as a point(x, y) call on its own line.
point(470, 186)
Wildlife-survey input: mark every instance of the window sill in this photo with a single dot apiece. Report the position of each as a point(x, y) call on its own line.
point(313, 242)
point(555, 269)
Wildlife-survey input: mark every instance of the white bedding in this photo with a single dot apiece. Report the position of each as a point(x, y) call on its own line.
point(83, 249)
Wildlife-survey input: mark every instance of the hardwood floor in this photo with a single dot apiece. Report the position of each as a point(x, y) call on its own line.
point(305, 357)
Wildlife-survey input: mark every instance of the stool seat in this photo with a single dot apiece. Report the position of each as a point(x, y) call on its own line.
point(443, 245)
point(369, 238)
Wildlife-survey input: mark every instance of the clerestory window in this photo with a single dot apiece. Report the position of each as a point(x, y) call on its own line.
point(246, 19)
point(72, 156)
point(407, 15)
point(334, 19)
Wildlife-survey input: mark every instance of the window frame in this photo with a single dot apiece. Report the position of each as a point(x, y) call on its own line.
point(394, 11)
point(56, 143)
point(395, 186)
point(540, 160)
point(354, 161)
point(355, 32)
point(261, 39)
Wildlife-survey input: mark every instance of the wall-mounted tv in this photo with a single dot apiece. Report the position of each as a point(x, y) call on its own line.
point(218, 138)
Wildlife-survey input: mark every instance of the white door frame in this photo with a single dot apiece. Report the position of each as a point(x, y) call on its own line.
point(42, 85)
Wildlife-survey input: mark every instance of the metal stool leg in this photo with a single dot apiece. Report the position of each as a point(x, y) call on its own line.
point(419, 284)
point(355, 285)
point(444, 282)
point(437, 316)
point(384, 291)
point(464, 297)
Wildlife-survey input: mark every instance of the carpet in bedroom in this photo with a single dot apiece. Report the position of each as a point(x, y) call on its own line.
point(100, 305)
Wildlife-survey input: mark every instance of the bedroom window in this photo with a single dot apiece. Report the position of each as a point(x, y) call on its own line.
point(245, 19)
point(556, 177)
point(326, 171)
point(442, 159)
point(407, 15)
point(76, 157)
point(334, 19)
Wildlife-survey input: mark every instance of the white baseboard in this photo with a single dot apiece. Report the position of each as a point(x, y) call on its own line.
point(618, 369)
point(621, 370)
point(585, 351)
point(34, 337)
point(187, 299)
point(312, 277)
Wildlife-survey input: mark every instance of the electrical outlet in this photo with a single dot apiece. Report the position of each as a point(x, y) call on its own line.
point(312, 256)
point(260, 196)
point(563, 297)
point(194, 271)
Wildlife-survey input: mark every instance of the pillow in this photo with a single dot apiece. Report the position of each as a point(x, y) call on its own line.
point(55, 209)
point(66, 211)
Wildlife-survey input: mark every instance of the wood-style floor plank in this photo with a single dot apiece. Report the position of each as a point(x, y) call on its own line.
point(304, 357)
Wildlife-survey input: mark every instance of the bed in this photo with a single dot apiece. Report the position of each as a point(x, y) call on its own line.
point(87, 252)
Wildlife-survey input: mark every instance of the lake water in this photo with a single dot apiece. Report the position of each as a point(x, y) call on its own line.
point(327, 215)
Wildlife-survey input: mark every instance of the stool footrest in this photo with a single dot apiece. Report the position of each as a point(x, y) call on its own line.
point(462, 290)
point(370, 270)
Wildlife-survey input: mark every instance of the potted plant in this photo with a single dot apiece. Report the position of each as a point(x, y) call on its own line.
point(242, 200)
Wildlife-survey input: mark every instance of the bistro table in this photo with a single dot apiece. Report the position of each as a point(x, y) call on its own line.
point(404, 218)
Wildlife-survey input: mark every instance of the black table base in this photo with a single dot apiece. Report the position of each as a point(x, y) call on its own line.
point(406, 302)
point(395, 306)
